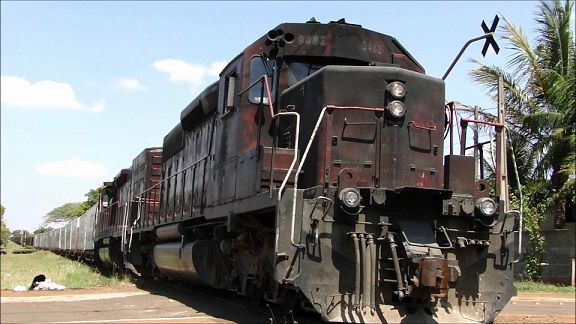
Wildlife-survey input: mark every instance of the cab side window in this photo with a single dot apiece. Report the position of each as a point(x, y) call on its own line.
point(259, 66)
point(230, 92)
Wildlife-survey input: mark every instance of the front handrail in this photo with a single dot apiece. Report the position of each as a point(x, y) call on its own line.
point(264, 79)
point(498, 126)
point(464, 124)
point(305, 155)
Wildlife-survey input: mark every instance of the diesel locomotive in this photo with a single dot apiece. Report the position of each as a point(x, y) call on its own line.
point(313, 174)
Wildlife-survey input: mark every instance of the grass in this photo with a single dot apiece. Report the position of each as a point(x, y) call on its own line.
point(20, 269)
point(539, 287)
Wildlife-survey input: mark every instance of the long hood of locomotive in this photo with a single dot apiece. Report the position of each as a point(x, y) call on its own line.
point(340, 40)
point(373, 148)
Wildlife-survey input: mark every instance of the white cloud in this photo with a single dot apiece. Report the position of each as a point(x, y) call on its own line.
point(73, 168)
point(98, 107)
point(131, 84)
point(19, 92)
point(193, 74)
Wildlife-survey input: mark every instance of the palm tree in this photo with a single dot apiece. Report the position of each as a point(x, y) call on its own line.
point(540, 90)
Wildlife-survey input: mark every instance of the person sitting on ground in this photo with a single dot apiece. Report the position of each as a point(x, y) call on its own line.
point(37, 280)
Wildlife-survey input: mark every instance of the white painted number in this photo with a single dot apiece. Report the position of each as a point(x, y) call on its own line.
point(371, 47)
point(312, 40)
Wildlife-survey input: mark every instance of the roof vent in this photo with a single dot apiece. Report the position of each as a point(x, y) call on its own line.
point(312, 21)
point(343, 22)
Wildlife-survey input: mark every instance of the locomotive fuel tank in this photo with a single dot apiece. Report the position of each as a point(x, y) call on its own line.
point(198, 262)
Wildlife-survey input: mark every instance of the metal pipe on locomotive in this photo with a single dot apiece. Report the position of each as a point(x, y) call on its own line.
point(313, 172)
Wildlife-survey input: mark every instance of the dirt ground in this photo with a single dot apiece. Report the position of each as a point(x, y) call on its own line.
point(506, 317)
point(95, 290)
point(533, 319)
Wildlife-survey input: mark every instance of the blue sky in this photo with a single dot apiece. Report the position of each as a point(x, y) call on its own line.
point(86, 86)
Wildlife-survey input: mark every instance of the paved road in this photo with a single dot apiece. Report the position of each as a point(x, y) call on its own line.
point(130, 305)
point(542, 304)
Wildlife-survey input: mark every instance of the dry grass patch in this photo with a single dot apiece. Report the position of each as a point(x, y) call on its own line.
point(20, 269)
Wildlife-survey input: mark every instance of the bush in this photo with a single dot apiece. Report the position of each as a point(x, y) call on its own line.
point(24, 251)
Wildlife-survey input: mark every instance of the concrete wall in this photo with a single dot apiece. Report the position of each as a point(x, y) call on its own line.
point(560, 249)
point(519, 273)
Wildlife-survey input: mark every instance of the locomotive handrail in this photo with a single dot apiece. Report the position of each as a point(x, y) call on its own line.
point(294, 159)
point(428, 128)
point(170, 177)
point(107, 212)
point(297, 138)
point(305, 155)
point(521, 210)
point(142, 194)
point(464, 123)
point(431, 246)
point(466, 120)
point(124, 227)
point(378, 109)
point(264, 78)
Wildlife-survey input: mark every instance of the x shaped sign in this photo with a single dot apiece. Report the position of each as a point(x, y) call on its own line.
point(490, 39)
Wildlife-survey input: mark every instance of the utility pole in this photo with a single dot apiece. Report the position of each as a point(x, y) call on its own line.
point(501, 166)
point(476, 159)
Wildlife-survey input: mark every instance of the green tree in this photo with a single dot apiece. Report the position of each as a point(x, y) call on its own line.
point(540, 87)
point(70, 211)
point(92, 196)
point(42, 229)
point(15, 233)
point(64, 213)
point(4, 231)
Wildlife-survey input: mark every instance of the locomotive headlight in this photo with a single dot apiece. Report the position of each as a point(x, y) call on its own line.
point(397, 89)
point(396, 108)
point(487, 206)
point(350, 197)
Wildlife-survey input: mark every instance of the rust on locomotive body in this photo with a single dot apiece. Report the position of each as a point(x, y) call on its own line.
point(313, 172)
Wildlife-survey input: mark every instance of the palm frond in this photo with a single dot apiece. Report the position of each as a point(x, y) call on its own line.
point(523, 61)
point(555, 42)
point(540, 94)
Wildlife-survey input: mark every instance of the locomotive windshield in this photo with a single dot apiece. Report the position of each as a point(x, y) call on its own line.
point(259, 66)
point(299, 70)
point(302, 67)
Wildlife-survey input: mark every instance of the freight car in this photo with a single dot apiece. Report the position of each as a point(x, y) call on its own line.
point(23, 240)
point(75, 239)
point(313, 173)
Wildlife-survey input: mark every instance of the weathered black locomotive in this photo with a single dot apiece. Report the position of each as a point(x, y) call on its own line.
point(313, 171)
